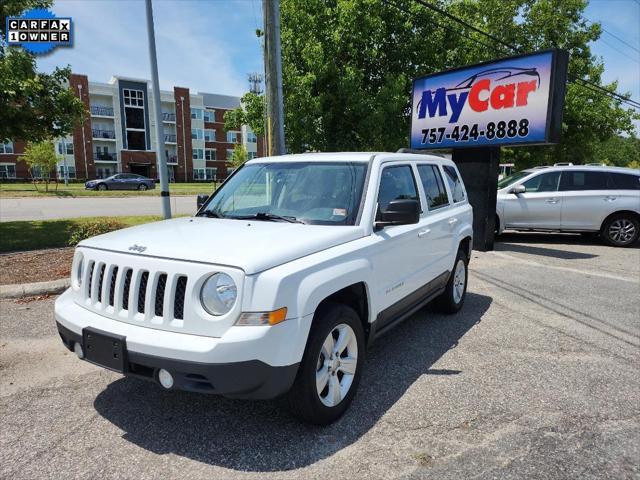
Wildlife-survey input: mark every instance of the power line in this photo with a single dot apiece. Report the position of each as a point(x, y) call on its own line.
point(614, 35)
point(620, 51)
point(575, 78)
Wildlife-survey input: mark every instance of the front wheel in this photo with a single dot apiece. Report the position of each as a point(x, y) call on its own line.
point(621, 230)
point(330, 370)
point(102, 187)
point(452, 298)
point(142, 187)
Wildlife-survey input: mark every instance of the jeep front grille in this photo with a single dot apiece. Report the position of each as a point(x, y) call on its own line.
point(125, 291)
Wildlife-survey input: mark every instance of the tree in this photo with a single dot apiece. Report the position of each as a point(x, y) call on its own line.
point(348, 66)
point(41, 156)
point(33, 106)
point(239, 156)
point(619, 151)
point(250, 112)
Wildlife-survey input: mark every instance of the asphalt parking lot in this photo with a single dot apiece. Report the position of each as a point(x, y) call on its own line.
point(537, 377)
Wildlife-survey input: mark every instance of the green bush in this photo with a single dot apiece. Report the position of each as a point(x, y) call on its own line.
point(92, 228)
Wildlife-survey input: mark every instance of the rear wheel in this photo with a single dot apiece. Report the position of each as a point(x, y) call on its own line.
point(452, 298)
point(102, 187)
point(142, 187)
point(330, 370)
point(621, 230)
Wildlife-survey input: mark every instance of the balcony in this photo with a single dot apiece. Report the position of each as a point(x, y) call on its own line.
point(103, 134)
point(172, 159)
point(168, 117)
point(170, 138)
point(101, 111)
point(105, 156)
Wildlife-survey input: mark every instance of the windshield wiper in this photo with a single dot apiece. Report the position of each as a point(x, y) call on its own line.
point(209, 214)
point(268, 217)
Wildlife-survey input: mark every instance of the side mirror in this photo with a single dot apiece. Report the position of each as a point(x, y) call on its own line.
point(518, 189)
point(202, 199)
point(399, 212)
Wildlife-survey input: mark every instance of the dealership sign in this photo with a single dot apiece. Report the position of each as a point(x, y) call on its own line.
point(515, 100)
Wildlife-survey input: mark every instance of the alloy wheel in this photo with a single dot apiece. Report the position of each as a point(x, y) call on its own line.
point(622, 231)
point(336, 365)
point(459, 278)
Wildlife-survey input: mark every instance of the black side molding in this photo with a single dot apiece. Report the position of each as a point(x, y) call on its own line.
point(401, 310)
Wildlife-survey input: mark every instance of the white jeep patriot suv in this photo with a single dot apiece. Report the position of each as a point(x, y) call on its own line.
point(280, 280)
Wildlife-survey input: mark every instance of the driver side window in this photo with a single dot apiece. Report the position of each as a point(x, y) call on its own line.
point(396, 183)
point(545, 182)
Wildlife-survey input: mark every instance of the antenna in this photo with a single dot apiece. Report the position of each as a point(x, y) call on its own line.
point(255, 82)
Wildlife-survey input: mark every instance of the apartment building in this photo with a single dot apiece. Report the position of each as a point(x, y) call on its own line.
point(118, 134)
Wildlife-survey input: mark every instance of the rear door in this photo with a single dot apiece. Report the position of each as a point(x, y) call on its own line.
point(539, 206)
point(435, 230)
point(585, 199)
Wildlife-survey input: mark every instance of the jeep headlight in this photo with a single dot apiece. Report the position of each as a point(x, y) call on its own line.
point(76, 269)
point(218, 294)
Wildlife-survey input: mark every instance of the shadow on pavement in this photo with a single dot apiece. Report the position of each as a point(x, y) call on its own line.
point(262, 436)
point(542, 251)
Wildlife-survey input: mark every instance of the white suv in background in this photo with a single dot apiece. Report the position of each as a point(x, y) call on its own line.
point(278, 282)
point(577, 198)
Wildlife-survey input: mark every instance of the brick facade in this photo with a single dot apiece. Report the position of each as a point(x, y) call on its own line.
point(82, 140)
point(184, 171)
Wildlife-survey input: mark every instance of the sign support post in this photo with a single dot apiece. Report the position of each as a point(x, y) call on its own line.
point(479, 168)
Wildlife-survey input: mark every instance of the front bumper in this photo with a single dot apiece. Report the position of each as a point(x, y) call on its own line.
point(247, 362)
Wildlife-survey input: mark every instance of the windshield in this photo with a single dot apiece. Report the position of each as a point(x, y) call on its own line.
point(320, 193)
point(506, 181)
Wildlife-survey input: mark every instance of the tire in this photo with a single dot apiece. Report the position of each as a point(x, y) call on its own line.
point(322, 408)
point(452, 299)
point(142, 187)
point(102, 187)
point(620, 230)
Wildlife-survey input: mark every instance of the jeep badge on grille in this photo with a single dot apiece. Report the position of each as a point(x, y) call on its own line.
point(137, 248)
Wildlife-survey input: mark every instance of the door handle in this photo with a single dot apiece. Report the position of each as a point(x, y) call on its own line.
point(453, 221)
point(552, 200)
point(424, 232)
point(609, 198)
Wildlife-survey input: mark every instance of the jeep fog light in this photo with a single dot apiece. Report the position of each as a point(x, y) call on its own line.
point(218, 294)
point(165, 378)
point(262, 318)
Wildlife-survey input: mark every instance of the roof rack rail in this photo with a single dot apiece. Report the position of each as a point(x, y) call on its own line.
point(418, 152)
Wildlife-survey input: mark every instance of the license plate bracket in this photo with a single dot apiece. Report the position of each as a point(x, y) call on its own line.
point(105, 349)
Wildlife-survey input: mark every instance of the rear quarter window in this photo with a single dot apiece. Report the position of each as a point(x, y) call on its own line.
point(624, 181)
point(455, 184)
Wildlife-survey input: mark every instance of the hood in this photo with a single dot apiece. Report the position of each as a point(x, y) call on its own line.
point(252, 245)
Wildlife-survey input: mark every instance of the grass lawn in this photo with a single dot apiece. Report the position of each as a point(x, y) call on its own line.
point(16, 190)
point(20, 236)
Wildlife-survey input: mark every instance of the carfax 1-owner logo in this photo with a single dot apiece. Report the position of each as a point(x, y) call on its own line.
point(496, 103)
point(39, 31)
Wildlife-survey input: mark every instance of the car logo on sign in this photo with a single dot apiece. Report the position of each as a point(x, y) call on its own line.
point(137, 248)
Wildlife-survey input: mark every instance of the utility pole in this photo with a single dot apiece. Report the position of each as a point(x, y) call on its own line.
point(64, 162)
point(160, 158)
point(273, 68)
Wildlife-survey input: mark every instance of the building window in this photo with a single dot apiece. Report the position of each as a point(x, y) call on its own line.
point(71, 171)
point(209, 154)
point(36, 172)
point(7, 170)
point(196, 134)
point(136, 140)
point(6, 147)
point(251, 137)
point(209, 115)
point(233, 137)
point(229, 153)
point(104, 172)
point(133, 98)
point(196, 113)
point(198, 154)
point(252, 155)
point(209, 135)
point(67, 145)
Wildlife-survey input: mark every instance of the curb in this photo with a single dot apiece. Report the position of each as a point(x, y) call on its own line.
point(31, 289)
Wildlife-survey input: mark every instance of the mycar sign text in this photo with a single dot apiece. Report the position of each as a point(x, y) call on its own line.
point(516, 100)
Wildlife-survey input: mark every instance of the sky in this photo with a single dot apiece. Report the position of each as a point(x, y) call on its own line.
point(211, 46)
